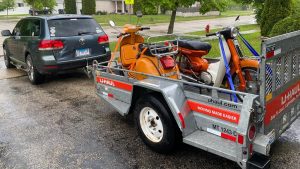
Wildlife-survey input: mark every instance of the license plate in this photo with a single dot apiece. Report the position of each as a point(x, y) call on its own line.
point(82, 52)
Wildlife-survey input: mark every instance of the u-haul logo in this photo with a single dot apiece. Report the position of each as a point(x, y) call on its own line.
point(281, 102)
point(115, 83)
point(106, 82)
point(290, 95)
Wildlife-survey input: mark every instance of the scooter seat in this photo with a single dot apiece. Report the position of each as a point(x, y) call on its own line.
point(194, 45)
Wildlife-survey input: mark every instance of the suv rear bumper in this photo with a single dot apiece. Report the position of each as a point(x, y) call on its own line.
point(51, 68)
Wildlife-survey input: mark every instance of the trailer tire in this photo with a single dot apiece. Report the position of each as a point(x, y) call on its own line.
point(155, 125)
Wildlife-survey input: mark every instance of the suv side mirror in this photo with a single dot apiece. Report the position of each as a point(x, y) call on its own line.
point(139, 14)
point(6, 33)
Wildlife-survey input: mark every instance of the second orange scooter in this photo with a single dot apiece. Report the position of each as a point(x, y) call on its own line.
point(241, 72)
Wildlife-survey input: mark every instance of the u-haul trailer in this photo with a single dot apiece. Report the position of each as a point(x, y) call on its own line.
point(170, 111)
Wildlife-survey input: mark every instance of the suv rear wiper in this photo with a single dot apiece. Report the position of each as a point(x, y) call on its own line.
point(85, 33)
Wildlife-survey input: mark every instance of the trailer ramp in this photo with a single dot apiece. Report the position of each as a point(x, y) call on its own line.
point(280, 82)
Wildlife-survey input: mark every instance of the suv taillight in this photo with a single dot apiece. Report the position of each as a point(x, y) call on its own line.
point(167, 62)
point(51, 45)
point(103, 39)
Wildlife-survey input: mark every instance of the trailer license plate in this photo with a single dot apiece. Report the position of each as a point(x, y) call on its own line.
point(82, 52)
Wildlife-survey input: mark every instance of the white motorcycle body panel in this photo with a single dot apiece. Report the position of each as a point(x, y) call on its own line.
point(217, 69)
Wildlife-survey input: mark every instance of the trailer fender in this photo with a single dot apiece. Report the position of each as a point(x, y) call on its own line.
point(171, 93)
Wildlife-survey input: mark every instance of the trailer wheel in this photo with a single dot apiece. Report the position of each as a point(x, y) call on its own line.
point(155, 126)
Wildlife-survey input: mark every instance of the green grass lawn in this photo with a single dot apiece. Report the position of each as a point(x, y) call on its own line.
point(4, 17)
point(154, 19)
point(254, 39)
point(242, 28)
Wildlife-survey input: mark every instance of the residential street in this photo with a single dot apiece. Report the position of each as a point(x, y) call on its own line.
point(63, 124)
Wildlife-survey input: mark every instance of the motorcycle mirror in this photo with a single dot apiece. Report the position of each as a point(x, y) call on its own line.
point(139, 14)
point(237, 18)
point(112, 23)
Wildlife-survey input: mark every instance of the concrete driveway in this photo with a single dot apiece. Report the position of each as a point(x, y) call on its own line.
point(62, 124)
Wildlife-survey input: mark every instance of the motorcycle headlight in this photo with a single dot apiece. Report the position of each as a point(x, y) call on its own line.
point(234, 32)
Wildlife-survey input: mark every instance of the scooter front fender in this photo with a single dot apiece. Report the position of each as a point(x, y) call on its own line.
point(246, 63)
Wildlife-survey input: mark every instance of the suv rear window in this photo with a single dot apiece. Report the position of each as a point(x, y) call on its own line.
point(73, 27)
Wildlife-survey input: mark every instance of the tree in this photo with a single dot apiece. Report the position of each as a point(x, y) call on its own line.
point(41, 4)
point(88, 7)
point(173, 5)
point(146, 6)
point(208, 5)
point(274, 11)
point(70, 6)
point(6, 5)
point(151, 6)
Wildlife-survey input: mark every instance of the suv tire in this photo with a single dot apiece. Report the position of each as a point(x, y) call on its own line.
point(7, 60)
point(33, 75)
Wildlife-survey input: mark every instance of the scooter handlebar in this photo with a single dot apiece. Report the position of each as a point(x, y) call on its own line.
point(145, 28)
point(121, 34)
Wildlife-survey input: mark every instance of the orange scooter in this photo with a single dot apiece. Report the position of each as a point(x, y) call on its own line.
point(241, 70)
point(147, 58)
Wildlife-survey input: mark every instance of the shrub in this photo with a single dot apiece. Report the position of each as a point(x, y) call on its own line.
point(274, 11)
point(101, 12)
point(70, 7)
point(289, 24)
point(88, 7)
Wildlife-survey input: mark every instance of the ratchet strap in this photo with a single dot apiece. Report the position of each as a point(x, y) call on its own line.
point(228, 74)
point(254, 52)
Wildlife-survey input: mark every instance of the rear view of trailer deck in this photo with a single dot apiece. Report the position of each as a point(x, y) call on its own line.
point(169, 111)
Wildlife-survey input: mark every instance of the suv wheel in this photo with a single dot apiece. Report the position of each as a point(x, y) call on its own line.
point(34, 76)
point(7, 60)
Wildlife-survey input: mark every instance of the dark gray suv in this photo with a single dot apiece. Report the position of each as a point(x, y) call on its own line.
point(44, 45)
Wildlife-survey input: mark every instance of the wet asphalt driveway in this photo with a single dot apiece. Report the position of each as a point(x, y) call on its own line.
point(62, 124)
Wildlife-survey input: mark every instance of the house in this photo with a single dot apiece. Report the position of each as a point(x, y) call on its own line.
point(23, 8)
point(109, 6)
